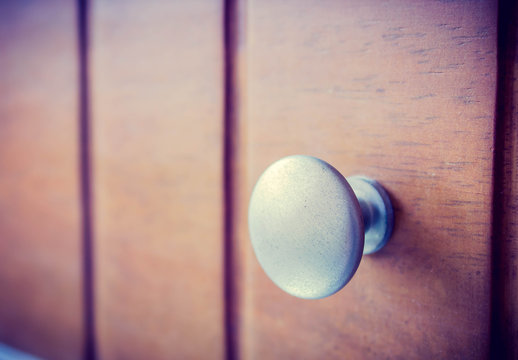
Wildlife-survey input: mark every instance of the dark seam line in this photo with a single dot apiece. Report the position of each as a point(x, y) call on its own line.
point(228, 177)
point(89, 346)
point(506, 38)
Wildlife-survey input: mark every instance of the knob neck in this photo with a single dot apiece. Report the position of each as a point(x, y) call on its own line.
point(377, 212)
point(367, 214)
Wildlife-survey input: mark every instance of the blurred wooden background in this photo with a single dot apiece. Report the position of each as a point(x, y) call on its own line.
point(131, 134)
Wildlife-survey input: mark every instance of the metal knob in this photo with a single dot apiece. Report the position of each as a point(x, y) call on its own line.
point(309, 226)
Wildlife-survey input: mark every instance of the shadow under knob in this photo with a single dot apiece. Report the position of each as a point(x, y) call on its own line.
point(309, 226)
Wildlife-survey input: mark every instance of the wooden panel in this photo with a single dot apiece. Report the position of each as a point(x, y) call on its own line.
point(157, 112)
point(402, 91)
point(40, 240)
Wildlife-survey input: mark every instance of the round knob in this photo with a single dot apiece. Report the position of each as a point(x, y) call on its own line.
point(309, 226)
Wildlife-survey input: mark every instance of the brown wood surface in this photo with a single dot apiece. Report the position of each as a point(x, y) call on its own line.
point(40, 240)
point(402, 91)
point(157, 118)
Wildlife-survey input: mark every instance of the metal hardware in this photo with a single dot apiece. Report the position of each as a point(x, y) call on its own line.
point(309, 226)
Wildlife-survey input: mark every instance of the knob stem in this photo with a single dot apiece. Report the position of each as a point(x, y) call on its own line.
point(377, 212)
point(367, 214)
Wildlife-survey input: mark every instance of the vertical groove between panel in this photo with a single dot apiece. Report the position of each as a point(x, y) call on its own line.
point(85, 178)
point(229, 168)
point(502, 327)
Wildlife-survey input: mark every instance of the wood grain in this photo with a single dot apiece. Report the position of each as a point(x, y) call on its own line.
point(40, 239)
point(402, 91)
point(157, 115)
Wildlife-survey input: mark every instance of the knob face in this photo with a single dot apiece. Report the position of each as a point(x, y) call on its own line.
point(306, 226)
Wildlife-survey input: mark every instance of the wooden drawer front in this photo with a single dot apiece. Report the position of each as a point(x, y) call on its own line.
point(404, 92)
